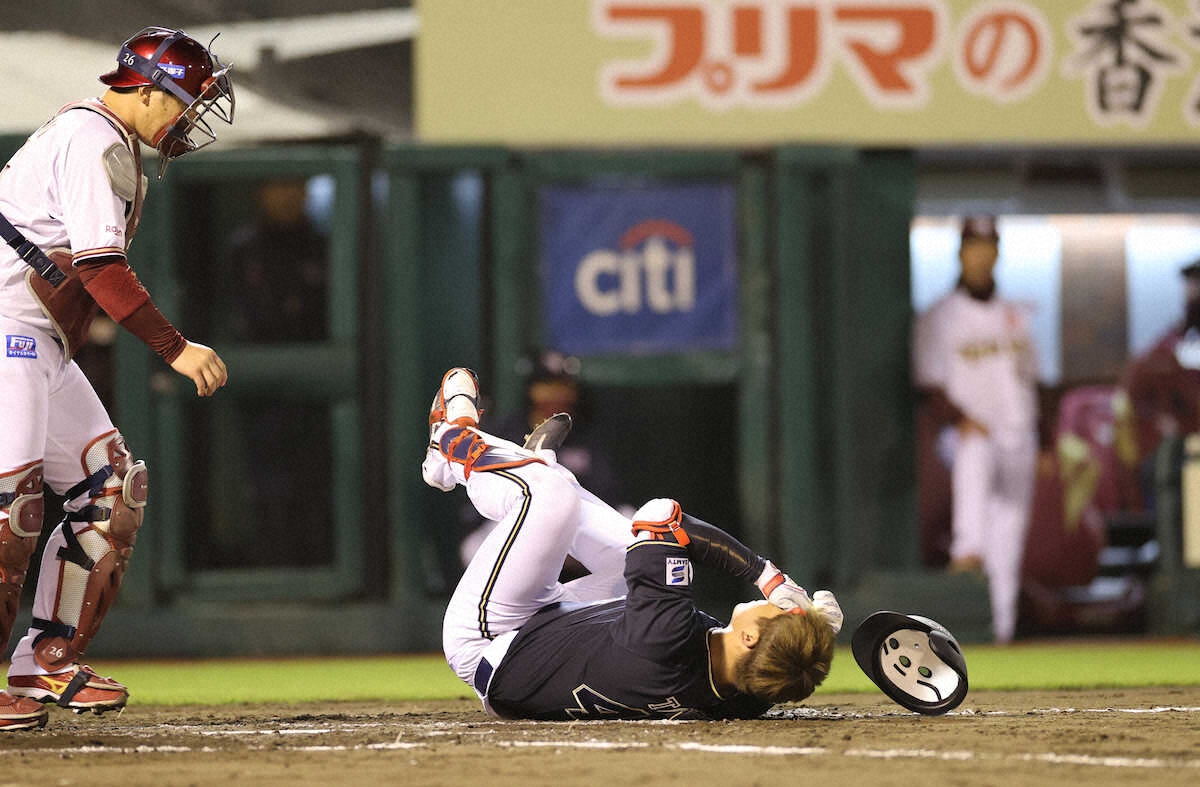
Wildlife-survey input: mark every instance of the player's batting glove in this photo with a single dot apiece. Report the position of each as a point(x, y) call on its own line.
point(779, 589)
point(828, 605)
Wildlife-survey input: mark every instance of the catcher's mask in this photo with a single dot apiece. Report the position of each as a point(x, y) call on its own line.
point(182, 66)
point(913, 659)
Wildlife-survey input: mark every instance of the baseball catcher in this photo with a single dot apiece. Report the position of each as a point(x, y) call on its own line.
point(70, 200)
point(625, 641)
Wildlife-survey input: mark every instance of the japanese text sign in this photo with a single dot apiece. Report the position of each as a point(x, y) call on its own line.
point(843, 71)
point(639, 270)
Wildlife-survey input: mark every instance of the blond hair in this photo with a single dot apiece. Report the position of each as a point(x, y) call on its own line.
point(790, 660)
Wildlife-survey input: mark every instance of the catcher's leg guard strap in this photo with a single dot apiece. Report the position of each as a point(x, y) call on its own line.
point(21, 507)
point(94, 484)
point(74, 552)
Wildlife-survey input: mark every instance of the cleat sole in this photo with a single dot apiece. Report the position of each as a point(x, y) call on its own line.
point(36, 722)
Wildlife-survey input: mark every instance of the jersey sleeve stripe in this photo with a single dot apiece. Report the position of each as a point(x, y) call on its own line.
point(105, 251)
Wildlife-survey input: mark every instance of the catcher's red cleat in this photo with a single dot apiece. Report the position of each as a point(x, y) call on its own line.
point(21, 713)
point(79, 689)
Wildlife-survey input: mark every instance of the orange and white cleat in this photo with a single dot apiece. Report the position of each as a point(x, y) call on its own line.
point(457, 400)
point(79, 689)
point(21, 713)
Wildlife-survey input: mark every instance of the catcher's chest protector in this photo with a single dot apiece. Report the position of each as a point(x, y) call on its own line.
point(69, 306)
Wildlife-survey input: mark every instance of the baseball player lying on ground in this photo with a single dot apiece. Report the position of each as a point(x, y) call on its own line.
point(626, 641)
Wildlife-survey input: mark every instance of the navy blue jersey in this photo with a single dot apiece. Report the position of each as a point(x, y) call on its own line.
point(642, 656)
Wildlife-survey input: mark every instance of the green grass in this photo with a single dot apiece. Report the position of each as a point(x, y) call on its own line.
point(230, 681)
point(1077, 665)
point(400, 678)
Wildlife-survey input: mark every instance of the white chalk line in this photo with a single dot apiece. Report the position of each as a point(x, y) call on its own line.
point(485, 727)
point(238, 733)
point(825, 714)
point(618, 745)
point(884, 754)
point(1051, 758)
point(168, 749)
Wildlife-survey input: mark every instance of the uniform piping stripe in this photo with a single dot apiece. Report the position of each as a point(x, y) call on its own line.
point(105, 251)
point(512, 536)
point(644, 542)
point(712, 683)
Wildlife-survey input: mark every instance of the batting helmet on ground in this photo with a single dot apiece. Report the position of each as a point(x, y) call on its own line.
point(913, 659)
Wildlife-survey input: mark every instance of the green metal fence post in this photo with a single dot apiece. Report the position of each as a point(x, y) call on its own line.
point(406, 396)
point(513, 284)
point(801, 496)
point(757, 410)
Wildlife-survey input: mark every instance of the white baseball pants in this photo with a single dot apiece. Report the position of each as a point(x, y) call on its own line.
point(50, 412)
point(543, 514)
point(993, 479)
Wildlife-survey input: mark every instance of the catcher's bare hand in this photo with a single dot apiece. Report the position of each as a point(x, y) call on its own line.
point(202, 366)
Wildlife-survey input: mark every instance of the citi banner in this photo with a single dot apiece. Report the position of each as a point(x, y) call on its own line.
point(841, 71)
point(640, 271)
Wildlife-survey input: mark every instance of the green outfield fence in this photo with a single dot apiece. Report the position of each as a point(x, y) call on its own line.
point(420, 279)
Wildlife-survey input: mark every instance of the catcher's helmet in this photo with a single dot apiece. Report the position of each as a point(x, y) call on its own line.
point(913, 659)
point(182, 66)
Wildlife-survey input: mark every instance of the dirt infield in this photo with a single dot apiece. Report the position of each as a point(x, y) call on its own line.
point(1151, 736)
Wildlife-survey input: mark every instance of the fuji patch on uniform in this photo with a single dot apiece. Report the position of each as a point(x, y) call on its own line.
point(20, 346)
point(679, 571)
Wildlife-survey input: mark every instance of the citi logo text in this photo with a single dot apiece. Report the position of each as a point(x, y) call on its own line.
point(654, 268)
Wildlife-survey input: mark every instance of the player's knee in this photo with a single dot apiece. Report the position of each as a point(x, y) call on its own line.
point(21, 506)
point(555, 496)
point(660, 510)
point(123, 484)
point(129, 508)
point(21, 500)
point(791, 658)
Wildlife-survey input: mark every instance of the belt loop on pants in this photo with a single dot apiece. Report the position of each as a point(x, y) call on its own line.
point(483, 676)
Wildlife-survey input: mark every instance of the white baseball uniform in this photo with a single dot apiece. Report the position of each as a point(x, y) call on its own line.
point(543, 514)
point(57, 191)
point(981, 354)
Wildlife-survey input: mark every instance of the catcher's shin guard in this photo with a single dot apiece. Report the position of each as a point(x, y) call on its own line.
point(21, 506)
point(89, 554)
